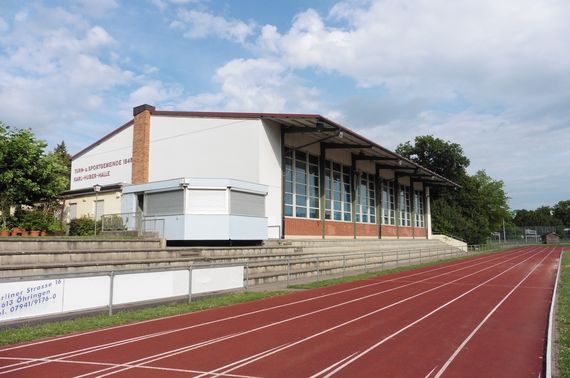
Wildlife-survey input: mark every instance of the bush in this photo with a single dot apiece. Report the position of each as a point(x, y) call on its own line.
point(83, 227)
point(37, 219)
point(113, 223)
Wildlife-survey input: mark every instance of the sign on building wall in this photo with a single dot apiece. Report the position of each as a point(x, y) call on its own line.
point(107, 163)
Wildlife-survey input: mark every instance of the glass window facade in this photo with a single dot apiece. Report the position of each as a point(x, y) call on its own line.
point(301, 184)
point(366, 199)
point(388, 203)
point(405, 206)
point(419, 208)
point(338, 203)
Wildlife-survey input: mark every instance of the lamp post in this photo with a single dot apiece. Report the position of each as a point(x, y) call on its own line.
point(96, 189)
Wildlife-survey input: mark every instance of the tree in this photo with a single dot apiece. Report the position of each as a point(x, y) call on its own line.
point(473, 211)
point(543, 216)
point(562, 212)
point(444, 158)
point(27, 174)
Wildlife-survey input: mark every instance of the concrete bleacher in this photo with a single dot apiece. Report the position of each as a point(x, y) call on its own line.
point(284, 261)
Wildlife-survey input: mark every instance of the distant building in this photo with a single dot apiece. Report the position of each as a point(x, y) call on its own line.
point(251, 175)
point(551, 238)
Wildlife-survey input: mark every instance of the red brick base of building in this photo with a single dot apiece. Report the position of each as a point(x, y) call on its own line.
point(312, 228)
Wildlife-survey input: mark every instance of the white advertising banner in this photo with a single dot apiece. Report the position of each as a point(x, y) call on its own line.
point(30, 298)
point(26, 299)
point(215, 279)
point(83, 293)
point(147, 286)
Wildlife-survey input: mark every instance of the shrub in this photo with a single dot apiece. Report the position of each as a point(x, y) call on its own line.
point(83, 226)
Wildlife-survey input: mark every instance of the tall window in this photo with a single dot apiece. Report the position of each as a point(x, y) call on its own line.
point(301, 184)
point(419, 206)
point(405, 206)
point(388, 203)
point(338, 203)
point(366, 199)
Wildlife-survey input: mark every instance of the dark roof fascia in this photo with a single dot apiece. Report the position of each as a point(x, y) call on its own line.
point(89, 190)
point(105, 138)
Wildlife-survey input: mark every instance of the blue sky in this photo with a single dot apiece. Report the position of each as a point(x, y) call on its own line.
point(490, 75)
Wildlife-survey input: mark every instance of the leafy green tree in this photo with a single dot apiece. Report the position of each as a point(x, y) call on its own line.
point(444, 158)
point(543, 216)
point(472, 212)
point(27, 174)
point(562, 212)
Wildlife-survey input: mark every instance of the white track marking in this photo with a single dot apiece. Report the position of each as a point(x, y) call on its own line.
point(476, 329)
point(550, 335)
point(74, 353)
point(477, 258)
point(249, 360)
point(368, 350)
point(96, 363)
point(432, 370)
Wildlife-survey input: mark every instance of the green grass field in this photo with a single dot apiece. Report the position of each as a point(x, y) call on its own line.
point(563, 316)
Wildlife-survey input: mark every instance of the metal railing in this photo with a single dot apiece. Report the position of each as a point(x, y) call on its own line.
point(133, 223)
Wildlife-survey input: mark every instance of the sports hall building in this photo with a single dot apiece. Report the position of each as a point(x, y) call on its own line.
point(249, 176)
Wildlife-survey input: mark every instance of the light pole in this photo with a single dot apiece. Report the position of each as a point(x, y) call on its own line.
point(96, 189)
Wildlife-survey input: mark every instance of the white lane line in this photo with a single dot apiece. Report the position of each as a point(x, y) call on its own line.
point(340, 362)
point(463, 262)
point(249, 360)
point(95, 363)
point(550, 334)
point(468, 338)
point(431, 372)
point(168, 354)
point(75, 353)
point(368, 350)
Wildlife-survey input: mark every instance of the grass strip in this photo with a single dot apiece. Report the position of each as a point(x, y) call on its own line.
point(563, 317)
point(26, 333)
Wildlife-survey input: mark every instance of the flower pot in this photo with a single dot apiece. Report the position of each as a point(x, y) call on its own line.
point(35, 233)
point(17, 231)
point(4, 232)
point(43, 233)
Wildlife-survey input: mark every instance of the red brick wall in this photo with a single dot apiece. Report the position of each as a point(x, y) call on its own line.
point(420, 232)
point(141, 144)
point(339, 228)
point(363, 229)
point(302, 227)
point(389, 231)
point(406, 232)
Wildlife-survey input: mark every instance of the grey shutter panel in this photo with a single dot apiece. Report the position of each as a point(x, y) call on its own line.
point(247, 204)
point(164, 203)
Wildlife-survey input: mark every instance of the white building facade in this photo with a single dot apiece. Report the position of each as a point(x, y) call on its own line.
point(318, 178)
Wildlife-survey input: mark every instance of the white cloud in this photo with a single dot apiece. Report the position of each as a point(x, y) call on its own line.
point(55, 69)
point(198, 25)
point(98, 8)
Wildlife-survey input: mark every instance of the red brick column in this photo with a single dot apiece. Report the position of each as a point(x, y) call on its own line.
point(141, 143)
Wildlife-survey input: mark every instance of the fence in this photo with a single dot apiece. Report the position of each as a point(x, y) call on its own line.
point(135, 223)
point(60, 293)
point(56, 294)
point(529, 234)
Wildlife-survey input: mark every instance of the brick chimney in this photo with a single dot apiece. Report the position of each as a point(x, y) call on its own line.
point(141, 143)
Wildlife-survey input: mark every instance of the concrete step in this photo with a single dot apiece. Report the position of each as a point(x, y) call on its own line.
point(59, 244)
point(49, 257)
point(10, 271)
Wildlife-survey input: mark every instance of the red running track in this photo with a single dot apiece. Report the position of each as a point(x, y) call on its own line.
point(485, 316)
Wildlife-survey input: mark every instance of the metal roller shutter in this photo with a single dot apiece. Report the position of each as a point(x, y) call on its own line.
point(249, 204)
point(164, 203)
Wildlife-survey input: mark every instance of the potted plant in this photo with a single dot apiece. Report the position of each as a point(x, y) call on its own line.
point(4, 232)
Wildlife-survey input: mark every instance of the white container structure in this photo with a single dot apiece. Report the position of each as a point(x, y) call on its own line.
point(198, 208)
